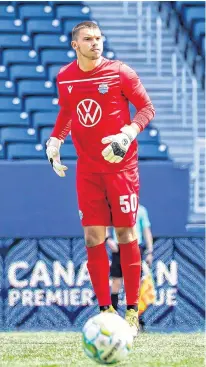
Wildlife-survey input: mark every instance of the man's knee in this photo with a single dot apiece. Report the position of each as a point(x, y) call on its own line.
point(94, 236)
point(126, 234)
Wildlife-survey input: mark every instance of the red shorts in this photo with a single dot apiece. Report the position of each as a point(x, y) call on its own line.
point(108, 199)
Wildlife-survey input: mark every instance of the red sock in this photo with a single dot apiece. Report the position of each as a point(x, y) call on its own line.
point(130, 258)
point(98, 267)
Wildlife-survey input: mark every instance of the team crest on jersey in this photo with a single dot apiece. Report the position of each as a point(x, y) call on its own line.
point(103, 88)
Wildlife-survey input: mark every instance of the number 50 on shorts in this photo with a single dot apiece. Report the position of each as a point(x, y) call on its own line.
point(128, 203)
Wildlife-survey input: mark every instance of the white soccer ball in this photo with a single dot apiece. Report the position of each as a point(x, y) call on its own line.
point(107, 338)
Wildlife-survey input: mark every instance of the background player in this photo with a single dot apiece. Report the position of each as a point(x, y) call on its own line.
point(145, 241)
point(94, 95)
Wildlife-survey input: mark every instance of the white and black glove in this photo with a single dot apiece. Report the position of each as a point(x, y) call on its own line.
point(53, 154)
point(119, 144)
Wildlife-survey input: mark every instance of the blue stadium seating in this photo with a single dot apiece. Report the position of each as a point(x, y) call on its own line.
point(25, 151)
point(43, 26)
point(148, 135)
point(192, 13)
point(69, 24)
point(49, 57)
point(53, 71)
point(40, 104)
point(198, 30)
point(45, 134)
point(7, 88)
point(35, 87)
point(25, 71)
point(68, 151)
point(10, 104)
point(14, 119)
point(42, 41)
point(75, 11)
point(3, 72)
point(153, 151)
point(14, 41)
point(11, 26)
point(2, 152)
point(14, 56)
point(35, 43)
point(28, 11)
point(17, 134)
point(40, 119)
point(7, 11)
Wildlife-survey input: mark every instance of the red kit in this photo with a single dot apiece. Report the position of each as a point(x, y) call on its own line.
point(94, 105)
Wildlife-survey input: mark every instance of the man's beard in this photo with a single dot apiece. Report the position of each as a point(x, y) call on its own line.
point(89, 57)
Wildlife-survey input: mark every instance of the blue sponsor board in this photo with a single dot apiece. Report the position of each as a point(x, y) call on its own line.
point(44, 284)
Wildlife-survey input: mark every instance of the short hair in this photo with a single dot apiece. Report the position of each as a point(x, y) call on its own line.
point(78, 27)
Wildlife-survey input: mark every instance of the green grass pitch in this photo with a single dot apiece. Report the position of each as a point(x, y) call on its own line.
point(58, 349)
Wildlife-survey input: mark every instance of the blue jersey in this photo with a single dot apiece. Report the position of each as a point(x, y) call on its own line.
point(142, 222)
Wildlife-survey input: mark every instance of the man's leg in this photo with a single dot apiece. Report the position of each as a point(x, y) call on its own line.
point(116, 286)
point(130, 260)
point(95, 216)
point(122, 192)
point(116, 274)
point(98, 264)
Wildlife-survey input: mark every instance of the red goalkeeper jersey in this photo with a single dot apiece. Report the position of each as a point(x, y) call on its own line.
point(95, 104)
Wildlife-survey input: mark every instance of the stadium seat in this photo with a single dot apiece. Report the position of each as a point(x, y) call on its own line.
point(3, 72)
point(53, 71)
point(14, 119)
point(25, 151)
point(42, 41)
point(7, 87)
point(71, 23)
point(68, 151)
point(7, 11)
point(25, 71)
point(57, 56)
point(193, 13)
point(14, 56)
point(40, 104)
point(10, 104)
point(2, 152)
point(14, 41)
point(198, 30)
point(11, 26)
point(153, 151)
point(40, 119)
point(28, 11)
point(148, 136)
point(75, 11)
point(46, 132)
point(17, 134)
point(43, 26)
point(35, 87)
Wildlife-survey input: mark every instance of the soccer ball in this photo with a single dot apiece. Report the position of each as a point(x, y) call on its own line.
point(107, 338)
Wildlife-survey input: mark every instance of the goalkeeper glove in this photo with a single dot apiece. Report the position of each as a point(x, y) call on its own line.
point(52, 151)
point(119, 144)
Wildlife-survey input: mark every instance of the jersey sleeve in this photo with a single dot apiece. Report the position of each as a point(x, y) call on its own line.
point(135, 92)
point(62, 126)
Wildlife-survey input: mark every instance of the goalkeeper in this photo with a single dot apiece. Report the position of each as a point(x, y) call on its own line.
point(94, 96)
point(145, 240)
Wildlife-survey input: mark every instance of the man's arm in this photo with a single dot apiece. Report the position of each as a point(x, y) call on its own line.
point(60, 131)
point(63, 122)
point(135, 92)
point(147, 234)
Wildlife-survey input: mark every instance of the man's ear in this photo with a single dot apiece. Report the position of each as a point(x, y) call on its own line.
point(74, 45)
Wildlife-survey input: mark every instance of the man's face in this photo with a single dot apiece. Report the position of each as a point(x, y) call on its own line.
point(89, 43)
